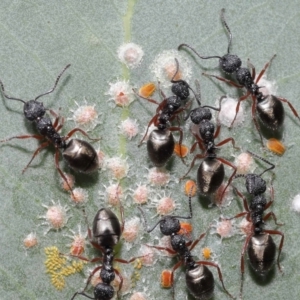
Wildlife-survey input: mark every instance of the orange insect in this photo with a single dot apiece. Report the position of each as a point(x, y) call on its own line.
point(147, 89)
point(181, 150)
point(185, 228)
point(165, 279)
point(206, 253)
point(190, 188)
point(276, 146)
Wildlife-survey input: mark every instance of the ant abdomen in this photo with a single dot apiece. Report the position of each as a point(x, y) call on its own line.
point(160, 146)
point(81, 156)
point(210, 176)
point(271, 112)
point(261, 252)
point(200, 282)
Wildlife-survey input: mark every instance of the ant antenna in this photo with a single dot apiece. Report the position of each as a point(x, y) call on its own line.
point(228, 30)
point(180, 80)
point(6, 96)
point(191, 48)
point(177, 70)
point(55, 84)
point(198, 95)
point(21, 100)
point(174, 217)
point(266, 161)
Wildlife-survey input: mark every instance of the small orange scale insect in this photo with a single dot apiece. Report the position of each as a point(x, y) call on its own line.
point(190, 188)
point(181, 150)
point(206, 253)
point(147, 89)
point(185, 228)
point(165, 279)
point(276, 146)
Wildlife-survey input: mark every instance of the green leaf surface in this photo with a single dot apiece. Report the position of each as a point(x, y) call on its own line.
point(38, 38)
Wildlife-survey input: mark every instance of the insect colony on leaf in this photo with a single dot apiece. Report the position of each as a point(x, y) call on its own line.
point(107, 230)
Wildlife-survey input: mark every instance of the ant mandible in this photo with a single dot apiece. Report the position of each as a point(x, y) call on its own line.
point(105, 235)
point(199, 279)
point(160, 143)
point(269, 108)
point(80, 155)
point(259, 244)
point(211, 173)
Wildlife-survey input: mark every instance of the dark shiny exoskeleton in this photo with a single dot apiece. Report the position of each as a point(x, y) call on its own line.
point(80, 155)
point(259, 244)
point(161, 143)
point(105, 235)
point(199, 279)
point(211, 172)
point(269, 108)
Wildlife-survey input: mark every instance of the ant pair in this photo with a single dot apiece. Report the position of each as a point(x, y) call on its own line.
point(199, 279)
point(269, 108)
point(80, 155)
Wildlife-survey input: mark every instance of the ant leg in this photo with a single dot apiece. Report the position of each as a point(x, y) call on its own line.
point(172, 278)
point(271, 214)
point(224, 80)
point(195, 242)
point(180, 141)
point(56, 159)
point(224, 161)
point(208, 263)
point(148, 99)
point(198, 156)
point(87, 284)
point(152, 121)
point(27, 136)
point(81, 131)
point(36, 152)
point(264, 69)
point(280, 245)
point(227, 141)
point(290, 105)
point(253, 110)
point(243, 263)
point(162, 248)
point(238, 106)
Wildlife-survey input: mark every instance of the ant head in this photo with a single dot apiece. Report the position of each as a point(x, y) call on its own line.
point(34, 110)
point(103, 291)
point(229, 63)
point(180, 87)
point(255, 185)
point(200, 114)
point(169, 225)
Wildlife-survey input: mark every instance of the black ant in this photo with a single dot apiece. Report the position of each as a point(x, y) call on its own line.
point(259, 243)
point(268, 107)
point(161, 143)
point(199, 279)
point(211, 171)
point(105, 235)
point(80, 155)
